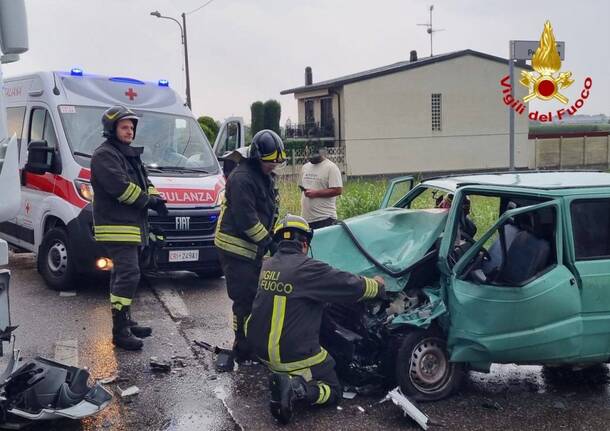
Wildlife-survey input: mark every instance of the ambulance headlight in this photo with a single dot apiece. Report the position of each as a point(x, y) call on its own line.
point(220, 197)
point(84, 189)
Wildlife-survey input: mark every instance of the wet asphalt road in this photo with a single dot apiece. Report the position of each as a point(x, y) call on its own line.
point(183, 309)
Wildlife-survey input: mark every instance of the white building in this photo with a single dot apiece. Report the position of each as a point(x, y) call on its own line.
point(434, 114)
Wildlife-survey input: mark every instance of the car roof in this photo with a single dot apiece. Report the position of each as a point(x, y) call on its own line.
point(548, 180)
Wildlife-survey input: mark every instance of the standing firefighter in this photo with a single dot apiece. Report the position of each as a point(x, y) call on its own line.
point(242, 233)
point(284, 327)
point(123, 193)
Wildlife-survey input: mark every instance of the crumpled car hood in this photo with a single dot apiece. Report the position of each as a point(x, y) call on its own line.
point(395, 237)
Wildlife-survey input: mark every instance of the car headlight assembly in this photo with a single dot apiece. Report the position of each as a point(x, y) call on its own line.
point(84, 189)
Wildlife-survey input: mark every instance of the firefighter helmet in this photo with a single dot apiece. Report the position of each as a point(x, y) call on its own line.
point(115, 114)
point(291, 227)
point(267, 146)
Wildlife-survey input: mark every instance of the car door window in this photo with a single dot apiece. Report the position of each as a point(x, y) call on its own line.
point(37, 124)
point(591, 227)
point(14, 122)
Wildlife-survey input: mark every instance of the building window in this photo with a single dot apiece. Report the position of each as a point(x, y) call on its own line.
point(309, 116)
point(436, 111)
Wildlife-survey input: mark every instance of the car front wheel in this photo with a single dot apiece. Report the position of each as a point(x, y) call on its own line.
point(54, 260)
point(423, 369)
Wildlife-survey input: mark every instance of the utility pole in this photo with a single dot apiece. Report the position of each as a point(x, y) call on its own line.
point(186, 63)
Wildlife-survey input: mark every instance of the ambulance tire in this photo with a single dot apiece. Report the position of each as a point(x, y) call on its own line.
point(423, 370)
point(54, 261)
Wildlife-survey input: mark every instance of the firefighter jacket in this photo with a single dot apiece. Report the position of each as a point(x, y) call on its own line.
point(121, 188)
point(248, 212)
point(284, 326)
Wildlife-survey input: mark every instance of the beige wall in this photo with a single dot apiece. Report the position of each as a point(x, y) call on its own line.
point(387, 120)
point(590, 151)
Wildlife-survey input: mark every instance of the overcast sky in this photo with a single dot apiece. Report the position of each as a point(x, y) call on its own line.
point(246, 50)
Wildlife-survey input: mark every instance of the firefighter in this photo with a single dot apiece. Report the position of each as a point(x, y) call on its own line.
point(243, 231)
point(123, 193)
point(284, 327)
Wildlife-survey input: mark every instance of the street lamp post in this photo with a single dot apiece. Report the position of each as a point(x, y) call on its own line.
point(186, 54)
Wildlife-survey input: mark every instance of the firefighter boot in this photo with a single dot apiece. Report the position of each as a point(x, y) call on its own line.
point(137, 330)
point(121, 334)
point(285, 391)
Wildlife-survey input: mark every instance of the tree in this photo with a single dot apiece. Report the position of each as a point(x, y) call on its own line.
point(273, 112)
point(209, 127)
point(257, 111)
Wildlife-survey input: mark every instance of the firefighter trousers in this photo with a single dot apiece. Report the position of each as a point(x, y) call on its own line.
point(323, 386)
point(242, 282)
point(125, 275)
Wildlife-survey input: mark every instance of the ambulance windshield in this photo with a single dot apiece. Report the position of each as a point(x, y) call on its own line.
point(169, 141)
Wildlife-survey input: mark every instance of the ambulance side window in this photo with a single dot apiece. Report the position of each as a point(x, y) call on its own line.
point(14, 122)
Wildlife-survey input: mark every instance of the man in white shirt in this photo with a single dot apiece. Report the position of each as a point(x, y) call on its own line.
point(320, 183)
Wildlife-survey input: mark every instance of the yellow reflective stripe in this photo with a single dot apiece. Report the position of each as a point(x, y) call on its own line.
point(270, 157)
point(291, 367)
point(371, 288)
point(324, 393)
point(116, 229)
point(257, 232)
point(153, 191)
point(277, 323)
point(234, 323)
point(134, 196)
point(235, 245)
point(128, 191)
point(118, 238)
point(246, 325)
point(297, 224)
point(119, 302)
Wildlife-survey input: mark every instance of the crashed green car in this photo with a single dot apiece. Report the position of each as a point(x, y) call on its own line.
point(480, 269)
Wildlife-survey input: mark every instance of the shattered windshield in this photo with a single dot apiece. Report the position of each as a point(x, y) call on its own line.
point(169, 141)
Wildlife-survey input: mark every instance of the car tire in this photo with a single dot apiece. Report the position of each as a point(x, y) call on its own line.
point(423, 370)
point(209, 273)
point(54, 260)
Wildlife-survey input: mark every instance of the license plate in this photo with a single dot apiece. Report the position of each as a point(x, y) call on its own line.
point(183, 255)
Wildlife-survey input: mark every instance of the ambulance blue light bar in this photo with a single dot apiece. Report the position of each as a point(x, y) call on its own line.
point(127, 80)
point(76, 71)
point(163, 83)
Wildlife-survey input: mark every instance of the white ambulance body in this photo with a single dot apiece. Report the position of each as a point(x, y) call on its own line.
point(57, 119)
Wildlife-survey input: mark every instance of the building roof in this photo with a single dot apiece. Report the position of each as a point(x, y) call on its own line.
point(393, 68)
point(549, 180)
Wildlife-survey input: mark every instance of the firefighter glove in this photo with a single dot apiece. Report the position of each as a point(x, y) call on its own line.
point(157, 203)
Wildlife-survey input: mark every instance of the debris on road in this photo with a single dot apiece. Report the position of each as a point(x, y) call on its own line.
point(361, 409)
point(398, 398)
point(349, 395)
point(108, 380)
point(157, 364)
point(130, 391)
point(490, 404)
point(560, 405)
point(66, 293)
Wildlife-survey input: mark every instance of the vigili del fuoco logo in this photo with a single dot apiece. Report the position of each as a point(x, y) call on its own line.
point(546, 82)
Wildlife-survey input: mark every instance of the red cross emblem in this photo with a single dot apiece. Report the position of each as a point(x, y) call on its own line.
point(27, 207)
point(131, 94)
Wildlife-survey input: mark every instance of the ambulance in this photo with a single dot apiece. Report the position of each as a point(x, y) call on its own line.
point(56, 117)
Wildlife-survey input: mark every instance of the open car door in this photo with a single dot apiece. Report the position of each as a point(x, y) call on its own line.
point(231, 136)
point(525, 307)
point(396, 190)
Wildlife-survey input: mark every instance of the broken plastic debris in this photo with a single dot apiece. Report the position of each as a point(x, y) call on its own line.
point(67, 293)
point(157, 364)
point(108, 380)
point(361, 409)
point(349, 395)
point(339, 408)
point(407, 406)
point(130, 391)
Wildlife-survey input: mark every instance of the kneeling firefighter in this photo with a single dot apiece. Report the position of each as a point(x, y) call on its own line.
point(122, 195)
point(284, 327)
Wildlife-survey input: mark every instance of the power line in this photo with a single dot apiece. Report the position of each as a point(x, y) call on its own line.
point(200, 7)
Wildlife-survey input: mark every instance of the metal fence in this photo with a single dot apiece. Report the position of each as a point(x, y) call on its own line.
point(298, 157)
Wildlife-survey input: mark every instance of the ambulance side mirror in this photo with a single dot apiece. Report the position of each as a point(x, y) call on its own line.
point(40, 158)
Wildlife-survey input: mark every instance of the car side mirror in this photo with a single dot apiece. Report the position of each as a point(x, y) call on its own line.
point(40, 158)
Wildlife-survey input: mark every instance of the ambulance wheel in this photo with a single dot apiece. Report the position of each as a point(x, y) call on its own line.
point(423, 370)
point(54, 262)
